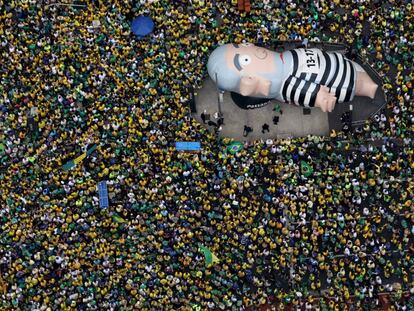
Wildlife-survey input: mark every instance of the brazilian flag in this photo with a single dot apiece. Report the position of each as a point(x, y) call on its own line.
point(235, 147)
point(209, 256)
point(306, 169)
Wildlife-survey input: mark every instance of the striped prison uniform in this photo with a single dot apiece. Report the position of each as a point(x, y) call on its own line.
point(313, 68)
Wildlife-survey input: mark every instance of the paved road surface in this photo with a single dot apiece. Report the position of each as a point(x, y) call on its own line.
point(292, 123)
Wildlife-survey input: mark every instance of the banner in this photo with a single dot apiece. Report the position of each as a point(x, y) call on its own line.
point(103, 194)
point(80, 158)
point(188, 146)
point(72, 163)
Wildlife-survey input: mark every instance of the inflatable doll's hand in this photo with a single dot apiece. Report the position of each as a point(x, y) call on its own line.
point(325, 100)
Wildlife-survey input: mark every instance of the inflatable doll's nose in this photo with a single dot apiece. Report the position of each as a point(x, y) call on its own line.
point(260, 53)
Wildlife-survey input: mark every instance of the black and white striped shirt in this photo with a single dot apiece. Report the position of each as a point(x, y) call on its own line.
point(312, 68)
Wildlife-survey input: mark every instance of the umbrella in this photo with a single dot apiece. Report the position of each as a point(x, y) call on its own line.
point(142, 26)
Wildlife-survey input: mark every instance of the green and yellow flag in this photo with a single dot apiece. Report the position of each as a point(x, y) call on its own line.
point(209, 256)
point(72, 163)
point(235, 147)
point(80, 158)
point(118, 219)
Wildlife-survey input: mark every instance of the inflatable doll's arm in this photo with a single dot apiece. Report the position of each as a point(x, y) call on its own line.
point(307, 94)
point(301, 92)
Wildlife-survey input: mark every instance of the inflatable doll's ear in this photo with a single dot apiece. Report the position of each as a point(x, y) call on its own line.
point(254, 86)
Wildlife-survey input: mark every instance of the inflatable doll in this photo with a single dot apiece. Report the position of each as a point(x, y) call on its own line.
point(305, 77)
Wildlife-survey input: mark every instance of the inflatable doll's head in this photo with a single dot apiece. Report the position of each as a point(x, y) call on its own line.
point(242, 68)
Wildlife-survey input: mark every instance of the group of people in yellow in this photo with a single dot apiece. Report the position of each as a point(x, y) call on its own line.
point(336, 237)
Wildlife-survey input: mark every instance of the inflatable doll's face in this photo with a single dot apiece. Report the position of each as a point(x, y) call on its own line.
point(249, 59)
point(239, 67)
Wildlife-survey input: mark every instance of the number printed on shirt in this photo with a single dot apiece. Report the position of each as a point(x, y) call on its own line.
point(310, 61)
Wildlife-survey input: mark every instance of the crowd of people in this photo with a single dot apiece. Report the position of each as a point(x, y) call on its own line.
point(321, 222)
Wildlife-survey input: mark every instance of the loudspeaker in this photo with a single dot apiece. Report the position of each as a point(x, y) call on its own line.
point(193, 107)
point(306, 111)
point(192, 102)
